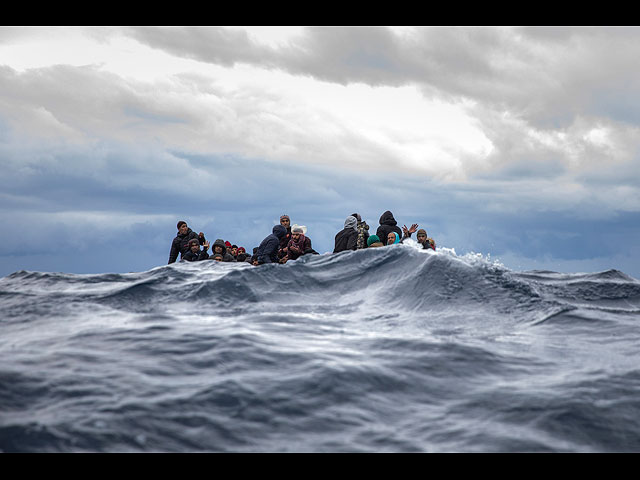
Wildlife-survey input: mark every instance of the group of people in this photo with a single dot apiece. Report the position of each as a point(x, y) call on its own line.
point(289, 242)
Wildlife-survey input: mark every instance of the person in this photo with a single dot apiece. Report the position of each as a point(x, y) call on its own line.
point(234, 250)
point(423, 239)
point(267, 251)
point(393, 238)
point(195, 254)
point(285, 221)
point(363, 232)
point(374, 241)
point(387, 224)
point(218, 257)
point(299, 244)
point(180, 244)
point(347, 238)
point(219, 248)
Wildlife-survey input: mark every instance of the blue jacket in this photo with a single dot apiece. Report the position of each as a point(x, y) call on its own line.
point(268, 248)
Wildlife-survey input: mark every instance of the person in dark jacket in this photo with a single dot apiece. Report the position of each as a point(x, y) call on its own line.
point(195, 254)
point(268, 249)
point(180, 244)
point(285, 221)
point(347, 238)
point(387, 224)
point(219, 248)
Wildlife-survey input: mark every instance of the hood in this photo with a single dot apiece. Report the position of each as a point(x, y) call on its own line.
point(219, 243)
point(351, 222)
point(387, 219)
point(279, 231)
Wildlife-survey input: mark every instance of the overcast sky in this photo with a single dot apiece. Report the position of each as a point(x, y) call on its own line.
point(521, 144)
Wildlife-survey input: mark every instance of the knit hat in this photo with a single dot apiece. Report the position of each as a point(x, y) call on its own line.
point(285, 216)
point(227, 244)
point(180, 223)
point(422, 231)
point(194, 241)
point(299, 228)
point(372, 239)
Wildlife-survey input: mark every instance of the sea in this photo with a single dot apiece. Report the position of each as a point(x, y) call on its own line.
point(382, 350)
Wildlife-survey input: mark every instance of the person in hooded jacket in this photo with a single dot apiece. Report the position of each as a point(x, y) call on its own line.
point(195, 254)
point(180, 244)
point(219, 248)
point(387, 224)
point(267, 251)
point(347, 238)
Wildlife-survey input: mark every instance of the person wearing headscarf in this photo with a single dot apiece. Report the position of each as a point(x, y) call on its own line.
point(299, 243)
point(393, 238)
point(347, 238)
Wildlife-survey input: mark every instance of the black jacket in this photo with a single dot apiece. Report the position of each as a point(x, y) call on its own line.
point(346, 239)
point(388, 224)
point(268, 249)
point(194, 257)
point(180, 244)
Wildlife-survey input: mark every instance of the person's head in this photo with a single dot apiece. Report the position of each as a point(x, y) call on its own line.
point(391, 238)
point(234, 250)
point(285, 221)
point(351, 222)
point(279, 231)
point(218, 257)
point(297, 232)
point(194, 245)
point(422, 235)
point(219, 247)
point(182, 227)
point(372, 239)
point(241, 250)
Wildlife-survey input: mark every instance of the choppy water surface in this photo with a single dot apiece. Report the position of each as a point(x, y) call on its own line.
point(391, 349)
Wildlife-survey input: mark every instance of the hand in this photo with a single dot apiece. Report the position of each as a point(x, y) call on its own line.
point(413, 228)
point(206, 245)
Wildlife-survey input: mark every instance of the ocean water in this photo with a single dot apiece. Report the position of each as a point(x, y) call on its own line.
point(393, 349)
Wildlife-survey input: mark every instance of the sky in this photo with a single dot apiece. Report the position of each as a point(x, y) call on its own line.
point(518, 143)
